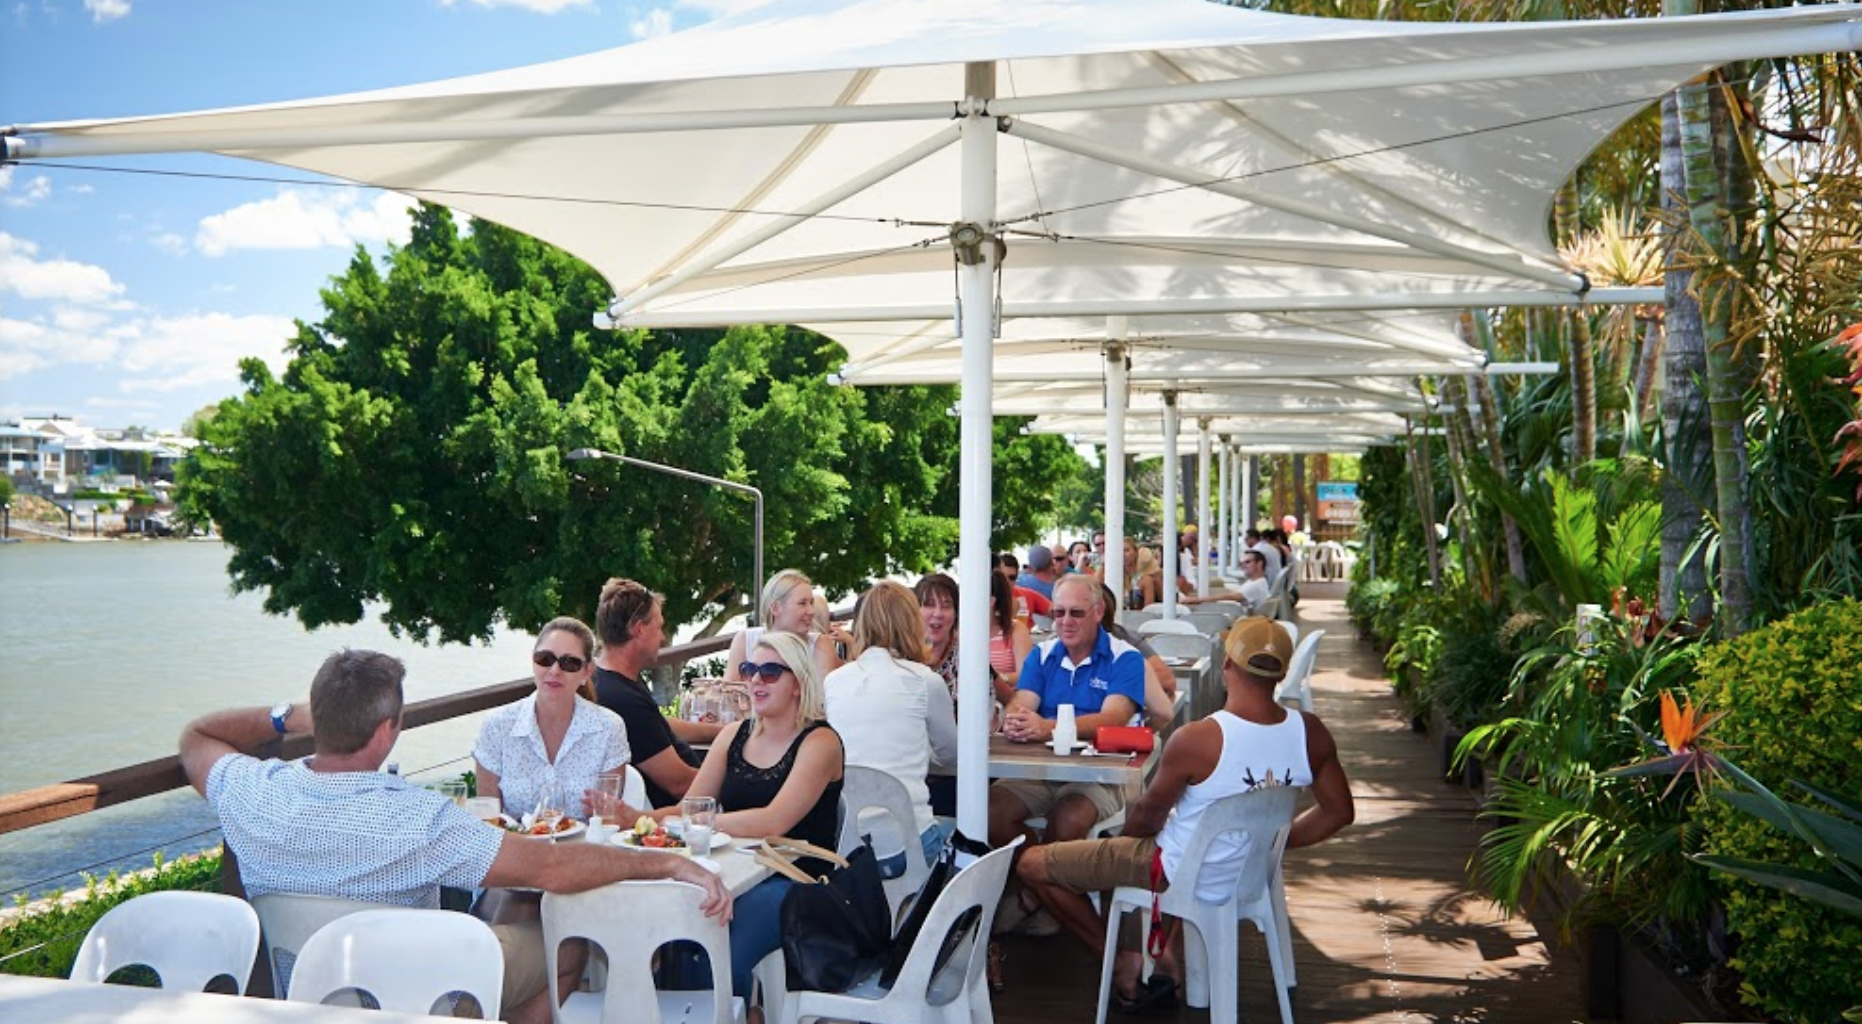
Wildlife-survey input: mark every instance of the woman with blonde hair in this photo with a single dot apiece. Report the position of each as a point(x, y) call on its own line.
point(892, 712)
point(777, 773)
point(787, 605)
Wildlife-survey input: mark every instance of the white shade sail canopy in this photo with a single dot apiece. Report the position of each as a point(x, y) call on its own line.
point(788, 164)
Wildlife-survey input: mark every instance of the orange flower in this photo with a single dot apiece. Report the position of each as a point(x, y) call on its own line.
point(1682, 726)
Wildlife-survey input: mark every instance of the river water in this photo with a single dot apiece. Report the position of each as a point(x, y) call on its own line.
point(107, 650)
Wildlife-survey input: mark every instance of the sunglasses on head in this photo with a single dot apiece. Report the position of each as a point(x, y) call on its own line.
point(1071, 613)
point(769, 670)
point(569, 662)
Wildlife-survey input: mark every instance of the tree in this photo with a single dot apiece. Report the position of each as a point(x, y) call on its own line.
point(6, 490)
point(412, 452)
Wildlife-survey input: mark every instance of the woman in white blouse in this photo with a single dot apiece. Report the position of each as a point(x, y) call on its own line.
point(553, 741)
point(892, 711)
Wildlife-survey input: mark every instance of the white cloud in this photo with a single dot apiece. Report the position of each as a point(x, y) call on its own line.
point(24, 274)
point(36, 191)
point(107, 10)
point(722, 8)
point(96, 402)
point(656, 22)
point(27, 345)
point(539, 6)
point(305, 219)
point(169, 242)
point(168, 353)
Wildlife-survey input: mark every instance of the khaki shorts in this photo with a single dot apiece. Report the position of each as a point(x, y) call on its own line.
point(525, 973)
point(1098, 865)
point(1040, 797)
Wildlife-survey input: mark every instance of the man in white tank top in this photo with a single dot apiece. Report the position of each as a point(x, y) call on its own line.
point(1250, 743)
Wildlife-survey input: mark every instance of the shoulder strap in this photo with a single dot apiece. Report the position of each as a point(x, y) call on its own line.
point(778, 853)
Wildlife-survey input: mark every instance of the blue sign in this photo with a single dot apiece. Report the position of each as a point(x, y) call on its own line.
point(1332, 490)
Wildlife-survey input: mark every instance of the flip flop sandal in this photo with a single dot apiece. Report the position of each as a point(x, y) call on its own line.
point(1155, 996)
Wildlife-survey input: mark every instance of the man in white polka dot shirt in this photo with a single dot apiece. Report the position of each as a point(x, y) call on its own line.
point(334, 825)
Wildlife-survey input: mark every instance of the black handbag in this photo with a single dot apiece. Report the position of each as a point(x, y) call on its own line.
point(836, 929)
point(959, 852)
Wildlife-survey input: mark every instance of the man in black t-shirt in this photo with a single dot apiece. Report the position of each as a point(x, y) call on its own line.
point(632, 627)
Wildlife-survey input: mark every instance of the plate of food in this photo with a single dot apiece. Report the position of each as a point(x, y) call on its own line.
point(560, 828)
point(648, 834)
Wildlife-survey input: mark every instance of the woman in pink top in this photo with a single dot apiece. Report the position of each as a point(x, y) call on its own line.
point(1009, 640)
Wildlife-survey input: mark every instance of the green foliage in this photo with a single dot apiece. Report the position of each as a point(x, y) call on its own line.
point(1471, 670)
point(6, 490)
point(1575, 711)
point(1793, 693)
point(1590, 541)
point(1373, 604)
point(43, 941)
point(412, 453)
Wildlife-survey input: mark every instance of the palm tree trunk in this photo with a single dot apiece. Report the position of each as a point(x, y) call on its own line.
point(1481, 330)
point(1725, 385)
point(1421, 477)
point(1688, 474)
point(1653, 340)
point(1583, 349)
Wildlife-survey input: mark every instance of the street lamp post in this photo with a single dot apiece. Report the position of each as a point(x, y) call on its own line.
point(756, 583)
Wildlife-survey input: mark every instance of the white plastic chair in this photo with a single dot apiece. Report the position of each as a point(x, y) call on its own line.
point(630, 922)
point(955, 995)
point(1292, 628)
point(1150, 627)
point(1133, 620)
point(633, 791)
point(1298, 683)
point(407, 960)
point(188, 938)
point(1233, 609)
point(1042, 623)
point(1211, 939)
point(1212, 623)
point(1177, 645)
point(864, 789)
point(288, 921)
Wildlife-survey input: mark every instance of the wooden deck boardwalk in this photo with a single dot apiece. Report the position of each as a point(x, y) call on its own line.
point(1386, 927)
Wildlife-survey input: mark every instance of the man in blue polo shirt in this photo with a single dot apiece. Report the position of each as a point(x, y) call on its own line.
point(1103, 678)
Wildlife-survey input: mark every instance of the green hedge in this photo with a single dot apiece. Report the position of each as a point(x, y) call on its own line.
point(1794, 693)
point(44, 940)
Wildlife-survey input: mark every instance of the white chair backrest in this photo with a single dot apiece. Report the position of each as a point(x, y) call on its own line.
point(1232, 609)
point(1212, 623)
point(630, 922)
point(405, 959)
point(1293, 630)
point(289, 921)
point(1176, 645)
point(633, 791)
point(1150, 627)
point(188, 938)
point(1281, 579)
point(1298, 683)
point(1133, 620)
point(869, 789)
point(1261, 815)
point(977, 886)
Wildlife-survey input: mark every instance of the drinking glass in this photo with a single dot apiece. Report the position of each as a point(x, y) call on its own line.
point(454, 790)
point(608, 789)
point(700, 814)
point(550, 805)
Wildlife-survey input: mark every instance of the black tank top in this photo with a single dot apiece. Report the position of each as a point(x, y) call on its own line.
point(746, 786)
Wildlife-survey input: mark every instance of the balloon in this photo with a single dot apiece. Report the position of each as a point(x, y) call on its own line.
point(1289, 523)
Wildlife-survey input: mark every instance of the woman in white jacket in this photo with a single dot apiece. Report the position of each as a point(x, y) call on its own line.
point(892, 712)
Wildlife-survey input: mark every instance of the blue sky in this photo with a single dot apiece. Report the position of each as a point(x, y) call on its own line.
point(130, 298)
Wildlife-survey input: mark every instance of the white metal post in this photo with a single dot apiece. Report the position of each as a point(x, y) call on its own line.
point(1115, 462)
point(1225, 509)
point(1202, 506)
point(1171, 525)
point(976, 313)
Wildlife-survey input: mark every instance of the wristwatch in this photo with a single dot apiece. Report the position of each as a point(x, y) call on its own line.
point(280, 712)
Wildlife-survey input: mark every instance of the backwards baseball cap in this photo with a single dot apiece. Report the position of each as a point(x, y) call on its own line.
point(1039, 558)
point(1260, 647)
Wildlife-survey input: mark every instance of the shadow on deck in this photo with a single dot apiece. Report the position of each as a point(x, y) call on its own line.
point(1386, 926)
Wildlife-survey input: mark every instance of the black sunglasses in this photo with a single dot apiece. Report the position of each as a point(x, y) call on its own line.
point(1071, 613)
point(569, 662)
point(769, 670)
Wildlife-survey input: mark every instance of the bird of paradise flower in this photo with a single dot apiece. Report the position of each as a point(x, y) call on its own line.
point(1686, 748)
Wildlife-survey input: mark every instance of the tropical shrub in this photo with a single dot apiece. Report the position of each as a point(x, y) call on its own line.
point(44, 939)
point(1793, 693)
point(1373, 606)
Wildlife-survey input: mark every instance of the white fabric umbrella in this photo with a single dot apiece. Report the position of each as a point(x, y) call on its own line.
point(801, 163)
